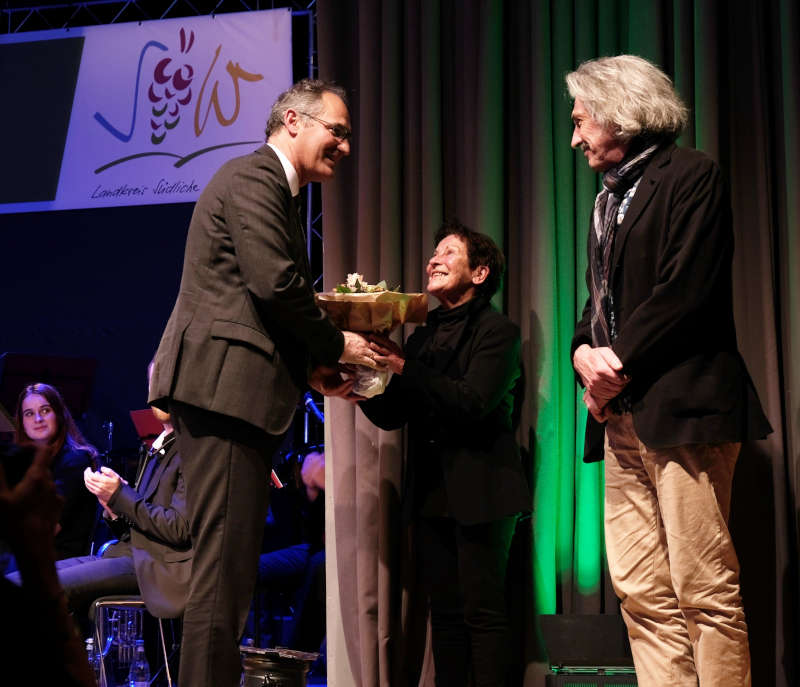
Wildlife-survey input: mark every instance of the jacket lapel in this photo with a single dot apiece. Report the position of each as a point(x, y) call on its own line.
point(296, 230)
point(641, 199)
point(155, 476)
point(300, 230)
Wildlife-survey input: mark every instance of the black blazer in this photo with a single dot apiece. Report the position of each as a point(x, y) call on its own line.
point(671, 282)
point(245, 325)
point(159, 535)
point(464, 410)
point(79, 513)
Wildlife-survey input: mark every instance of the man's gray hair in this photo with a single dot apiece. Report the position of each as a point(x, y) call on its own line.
point(304, 96)
point(629, 96)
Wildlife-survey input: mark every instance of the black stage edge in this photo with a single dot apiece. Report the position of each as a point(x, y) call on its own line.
point(588, 680)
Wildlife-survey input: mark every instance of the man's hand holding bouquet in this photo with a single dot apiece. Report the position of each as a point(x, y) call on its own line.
point(366, 308)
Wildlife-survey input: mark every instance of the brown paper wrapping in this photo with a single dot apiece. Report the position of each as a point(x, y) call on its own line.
point(379, 312)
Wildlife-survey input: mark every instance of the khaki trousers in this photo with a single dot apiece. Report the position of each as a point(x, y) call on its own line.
point(672, 560)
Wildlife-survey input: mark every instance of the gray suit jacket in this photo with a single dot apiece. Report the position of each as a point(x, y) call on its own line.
point(159, 535)
point(245, 326)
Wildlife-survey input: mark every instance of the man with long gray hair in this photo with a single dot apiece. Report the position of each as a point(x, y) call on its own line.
point(244, 339)
point(656, 352)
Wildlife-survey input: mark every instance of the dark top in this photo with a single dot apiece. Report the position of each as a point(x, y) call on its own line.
point(292, 518)
point(460, 394)
point(672, 288)
point(80, 506)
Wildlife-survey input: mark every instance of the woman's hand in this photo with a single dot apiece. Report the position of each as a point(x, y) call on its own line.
point(387, 353)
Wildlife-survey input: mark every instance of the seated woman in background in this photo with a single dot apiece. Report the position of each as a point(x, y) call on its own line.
point(42, 419)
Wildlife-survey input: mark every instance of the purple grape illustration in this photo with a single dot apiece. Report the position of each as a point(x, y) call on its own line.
point(170, 90)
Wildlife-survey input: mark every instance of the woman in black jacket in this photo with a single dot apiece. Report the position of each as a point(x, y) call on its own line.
point(458, 386)
point(43, 419)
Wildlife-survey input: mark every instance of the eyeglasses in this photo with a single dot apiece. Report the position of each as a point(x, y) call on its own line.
point(338, 131)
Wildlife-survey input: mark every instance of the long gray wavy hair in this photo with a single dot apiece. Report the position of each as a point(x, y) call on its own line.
point(629, 96)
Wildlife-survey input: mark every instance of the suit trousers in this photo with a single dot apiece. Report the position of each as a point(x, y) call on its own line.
point(672, 561)
point(463, 571)
point(226, 466)
point(86, 578)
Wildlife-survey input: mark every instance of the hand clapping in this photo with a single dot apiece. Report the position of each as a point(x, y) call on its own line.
point(103, 484)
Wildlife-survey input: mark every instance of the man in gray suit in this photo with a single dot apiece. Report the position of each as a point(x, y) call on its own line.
point(244, 339)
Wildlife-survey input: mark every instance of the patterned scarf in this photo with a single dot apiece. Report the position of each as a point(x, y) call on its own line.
point(616, 181)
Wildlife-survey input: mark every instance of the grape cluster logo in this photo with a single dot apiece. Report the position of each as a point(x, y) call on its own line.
point(170, 97)
point(170, 90)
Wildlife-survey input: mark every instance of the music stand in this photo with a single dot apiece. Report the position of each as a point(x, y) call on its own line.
point(73, 377)
point(147, 426)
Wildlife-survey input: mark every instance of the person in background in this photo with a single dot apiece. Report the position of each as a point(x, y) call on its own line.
point(43, 420)
point(458, 386)
point(151, 521)
point(668, 394)
point(308, 628)
point(39, 643)
point(152, 555)
point(298, 509)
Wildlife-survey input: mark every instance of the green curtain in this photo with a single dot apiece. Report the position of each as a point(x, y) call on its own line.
point(460, 109)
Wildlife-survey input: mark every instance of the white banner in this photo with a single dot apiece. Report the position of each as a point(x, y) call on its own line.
point(158, 106)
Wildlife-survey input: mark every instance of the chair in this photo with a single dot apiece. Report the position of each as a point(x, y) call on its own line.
point(125, 603)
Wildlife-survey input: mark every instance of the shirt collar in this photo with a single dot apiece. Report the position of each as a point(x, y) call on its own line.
point(159, 441)
point(289, 170)
point(441, 314)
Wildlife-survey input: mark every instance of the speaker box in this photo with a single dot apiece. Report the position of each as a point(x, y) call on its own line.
point(585, 641)
point(576, 680)
point(587, 650)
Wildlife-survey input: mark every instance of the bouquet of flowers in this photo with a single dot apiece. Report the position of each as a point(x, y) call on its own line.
point(358, 306)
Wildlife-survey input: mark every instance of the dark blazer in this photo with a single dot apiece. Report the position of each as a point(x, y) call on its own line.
point(671, 282)
point(79, 513)
point(159, 535)
point(463, 409)
point(245, 325)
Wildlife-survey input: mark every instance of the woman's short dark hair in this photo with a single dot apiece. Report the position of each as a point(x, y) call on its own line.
point(481, 250)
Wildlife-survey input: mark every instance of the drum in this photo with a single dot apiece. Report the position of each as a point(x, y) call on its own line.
point(274, 667)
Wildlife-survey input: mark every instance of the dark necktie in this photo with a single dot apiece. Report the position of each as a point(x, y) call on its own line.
point(150, 462)
point(297, 207)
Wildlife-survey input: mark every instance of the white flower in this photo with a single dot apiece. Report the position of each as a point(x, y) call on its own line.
point(353, 278)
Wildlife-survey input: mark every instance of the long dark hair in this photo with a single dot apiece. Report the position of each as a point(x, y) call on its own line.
point(67, 431)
